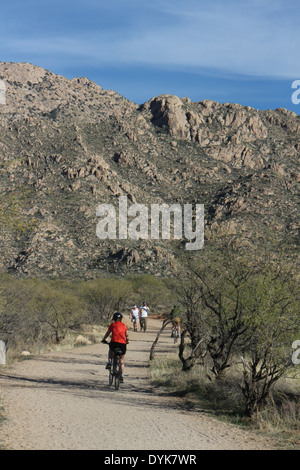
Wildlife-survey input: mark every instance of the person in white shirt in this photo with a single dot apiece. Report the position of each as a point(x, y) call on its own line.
point(144, 310)
point(134, 317)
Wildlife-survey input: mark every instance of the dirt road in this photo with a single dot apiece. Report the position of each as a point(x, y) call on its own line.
point(63, 401)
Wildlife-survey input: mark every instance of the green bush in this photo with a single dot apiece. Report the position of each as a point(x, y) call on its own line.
point(242, 301)
point(41, 311)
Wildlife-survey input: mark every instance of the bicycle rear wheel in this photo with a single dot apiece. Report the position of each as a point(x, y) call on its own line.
point(117, 372)
point(111, 376)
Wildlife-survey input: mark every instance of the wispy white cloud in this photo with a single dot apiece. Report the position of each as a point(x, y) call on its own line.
point(253, 37)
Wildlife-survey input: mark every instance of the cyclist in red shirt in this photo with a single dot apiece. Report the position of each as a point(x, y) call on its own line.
point(119, 339)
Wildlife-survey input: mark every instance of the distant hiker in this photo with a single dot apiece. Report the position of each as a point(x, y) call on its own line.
point(144, 310)
point(134, 317)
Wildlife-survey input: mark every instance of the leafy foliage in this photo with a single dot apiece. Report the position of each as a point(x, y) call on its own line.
point(241, 303)
point(43, 311)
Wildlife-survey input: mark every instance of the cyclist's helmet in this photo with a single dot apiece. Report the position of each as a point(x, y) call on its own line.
point(117, 316)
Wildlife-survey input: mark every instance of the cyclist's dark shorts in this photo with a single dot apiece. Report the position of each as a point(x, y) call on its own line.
point(122, 346)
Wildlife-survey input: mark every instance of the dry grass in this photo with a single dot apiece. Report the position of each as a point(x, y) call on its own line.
point(2, 418)
point(281, 415)
point(92, 333)
point(279, 419)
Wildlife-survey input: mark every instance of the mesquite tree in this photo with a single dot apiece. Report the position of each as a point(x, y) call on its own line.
point(241, 305)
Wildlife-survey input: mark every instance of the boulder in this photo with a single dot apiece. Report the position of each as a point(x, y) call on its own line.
point(82, 341)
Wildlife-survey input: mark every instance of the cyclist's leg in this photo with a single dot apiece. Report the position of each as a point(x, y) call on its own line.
point(109, 364)
point(121, 356)
point(110, 376)
point(117, 377)
point(109, 358)
point(122, 360)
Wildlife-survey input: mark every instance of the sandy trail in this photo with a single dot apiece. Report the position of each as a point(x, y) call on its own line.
point(62, 401)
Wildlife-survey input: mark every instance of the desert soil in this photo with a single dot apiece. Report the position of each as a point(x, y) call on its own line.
point(62, 401)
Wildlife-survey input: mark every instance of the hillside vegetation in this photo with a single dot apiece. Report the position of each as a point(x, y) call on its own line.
point(67, 146)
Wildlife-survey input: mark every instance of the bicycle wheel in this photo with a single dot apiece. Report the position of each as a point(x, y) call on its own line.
point(111, 374)
point(117, 372)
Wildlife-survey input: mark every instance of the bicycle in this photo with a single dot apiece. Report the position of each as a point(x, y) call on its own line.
point(115, 369)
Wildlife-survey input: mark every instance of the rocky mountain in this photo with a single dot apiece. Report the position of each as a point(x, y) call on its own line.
point(67, 146)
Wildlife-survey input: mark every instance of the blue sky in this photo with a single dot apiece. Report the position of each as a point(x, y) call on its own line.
point(229, 51)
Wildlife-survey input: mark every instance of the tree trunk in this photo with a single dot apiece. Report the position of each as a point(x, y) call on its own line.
point(164, 324)
point(188, 363)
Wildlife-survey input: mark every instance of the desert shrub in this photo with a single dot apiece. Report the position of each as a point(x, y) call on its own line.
point(104, 297)
point(241, 301)
point(55, 308)
point(154, 291)
point(41, 311)
point(38, 311)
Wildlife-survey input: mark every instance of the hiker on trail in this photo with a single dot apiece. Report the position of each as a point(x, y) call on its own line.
point(144, 310)
point(134, 316)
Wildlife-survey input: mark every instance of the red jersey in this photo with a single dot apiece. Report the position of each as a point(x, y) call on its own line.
point(118, 332)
